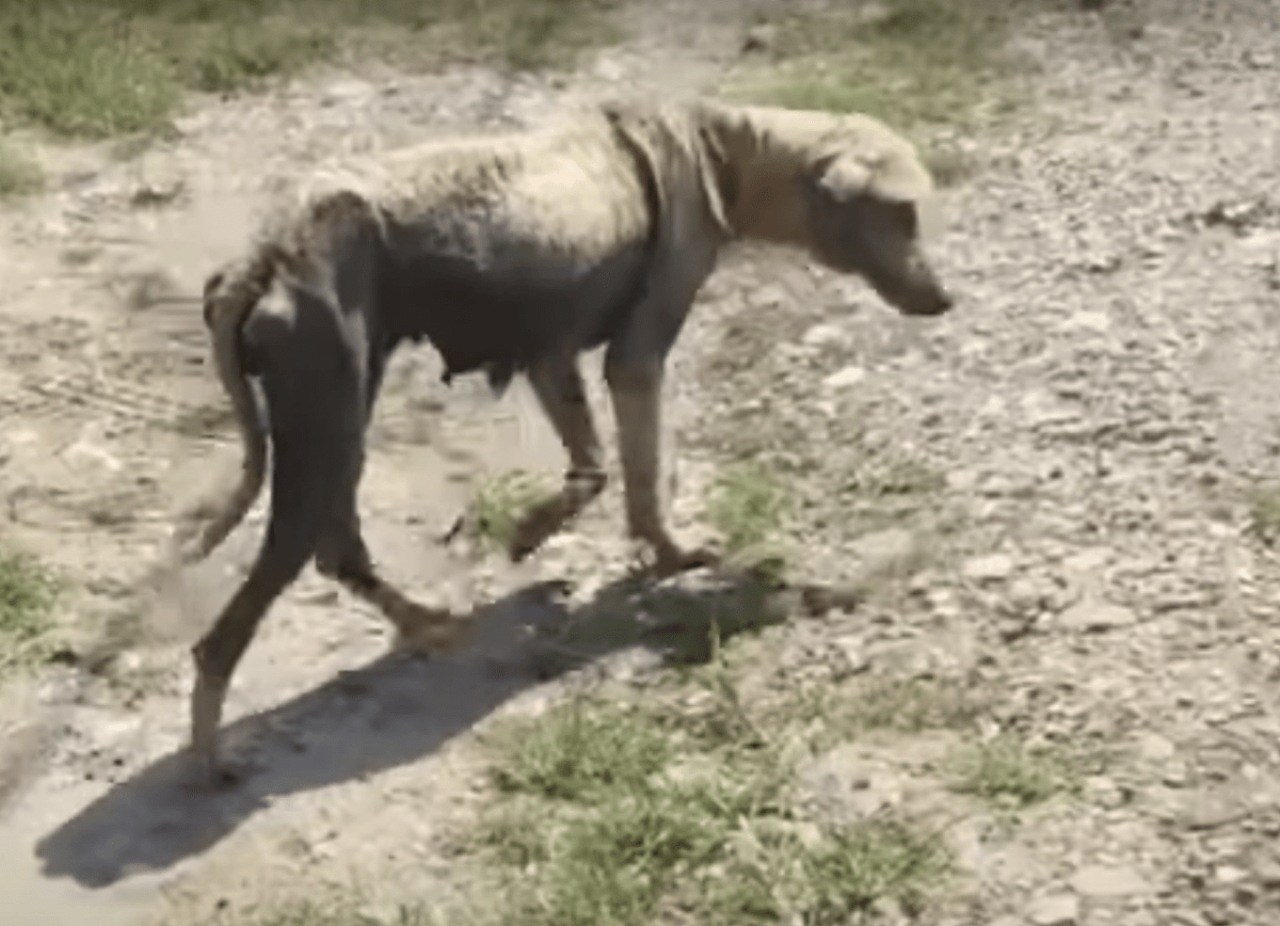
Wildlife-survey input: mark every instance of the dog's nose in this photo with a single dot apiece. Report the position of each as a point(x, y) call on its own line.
point(934, 303)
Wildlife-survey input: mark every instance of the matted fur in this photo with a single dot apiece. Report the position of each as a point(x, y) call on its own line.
point(512, 253)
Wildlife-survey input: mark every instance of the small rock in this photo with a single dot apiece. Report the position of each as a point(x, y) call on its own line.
point(845, 378)
point(760, 37)
point(995, 567)
point(1096, 616)
point(1268, 874)
point(1055, 910)
point(882, 550)
point(825, 335)
point(610, 70)
point(1088, 320)
point(1105, 881)
point(853, 655)
point(1156, 748)
point(1230, 874)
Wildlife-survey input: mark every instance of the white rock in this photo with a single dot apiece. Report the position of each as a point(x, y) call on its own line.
point(845, 378)
point(995, 567)
point(1105, 881)
point(1055, 910)
point(825, 335)
point(1095, 616)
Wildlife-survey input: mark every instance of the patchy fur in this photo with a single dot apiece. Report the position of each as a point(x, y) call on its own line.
point(513, 254)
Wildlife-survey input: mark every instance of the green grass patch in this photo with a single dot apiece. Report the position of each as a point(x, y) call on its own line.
point(500, 502)
point(836, 879)
point(578, 751)
point(1011, 774)
point(618, 817)
point(902, 705)
point(27, 594)
point(747, 507)
point(99, 68)
point(1263, 518)
point(912, 62)
point(20, 175)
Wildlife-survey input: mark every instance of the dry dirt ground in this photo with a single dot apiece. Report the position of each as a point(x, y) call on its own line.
point(1047, 495)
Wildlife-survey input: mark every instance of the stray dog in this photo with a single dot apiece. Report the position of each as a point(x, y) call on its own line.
point(512, 255)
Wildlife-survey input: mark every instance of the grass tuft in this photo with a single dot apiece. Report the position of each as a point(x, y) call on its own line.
point(27, 594)
point(19, 174)
point(500, 503)
point(747, 507)
point(1263, 522)
point(1008, 772)
point(622, 820)
point(574, 753)
point(913, 62)
point(100, 68)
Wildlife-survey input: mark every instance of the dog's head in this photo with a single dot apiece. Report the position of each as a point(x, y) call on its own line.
point(866, 198)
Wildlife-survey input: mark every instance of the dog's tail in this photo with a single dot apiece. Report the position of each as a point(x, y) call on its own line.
point(230, 295)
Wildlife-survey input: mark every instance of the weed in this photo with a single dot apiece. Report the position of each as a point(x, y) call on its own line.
point(1263, 513)
point(577, 752)
point(915, 62)
point(1006, 772)
point(500, 503)
point(893, 475)
point(836, 878)
point(19, 174)
point(904, 705)
point(747, 506)
point(98, 68)
point(27, 592)
point(616, 827)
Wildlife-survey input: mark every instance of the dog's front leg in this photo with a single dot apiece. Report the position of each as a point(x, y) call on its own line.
point(637, 405)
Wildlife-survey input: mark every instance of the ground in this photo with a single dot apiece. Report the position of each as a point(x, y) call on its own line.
point(1056, 701)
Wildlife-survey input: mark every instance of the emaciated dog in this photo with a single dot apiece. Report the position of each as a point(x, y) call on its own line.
point(512, 255)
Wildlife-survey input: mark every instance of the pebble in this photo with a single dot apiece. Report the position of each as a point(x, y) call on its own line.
point(1105, 881)
point(1055, 910)
point(1096, 616)
point(844, 378)
point(995, 567)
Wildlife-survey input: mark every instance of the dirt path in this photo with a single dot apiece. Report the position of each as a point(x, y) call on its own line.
point(1094, 407)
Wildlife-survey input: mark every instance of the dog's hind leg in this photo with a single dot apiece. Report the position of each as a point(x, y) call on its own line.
point(344, 556)
point(557, 383)
point(302, 488)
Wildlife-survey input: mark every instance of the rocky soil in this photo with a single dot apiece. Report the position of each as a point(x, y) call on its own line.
point(1047, 494)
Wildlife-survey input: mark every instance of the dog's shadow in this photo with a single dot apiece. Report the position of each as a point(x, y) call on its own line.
point(395, 710)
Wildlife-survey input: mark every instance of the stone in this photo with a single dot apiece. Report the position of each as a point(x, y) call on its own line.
point(995, 567)
point(853, 655)
point(825, 334)
point(760, 37)
point(1108, 881)
point(1055, 910)
point(881, 550)
point(1092, 616)
point(844, 378)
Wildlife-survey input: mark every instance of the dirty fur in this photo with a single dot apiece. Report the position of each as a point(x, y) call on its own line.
point(512, 254)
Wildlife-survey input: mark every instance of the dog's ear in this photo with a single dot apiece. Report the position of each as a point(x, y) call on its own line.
point(897, 176)
point(212, 284)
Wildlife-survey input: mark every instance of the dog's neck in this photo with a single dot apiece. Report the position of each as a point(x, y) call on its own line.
point(759, 166)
